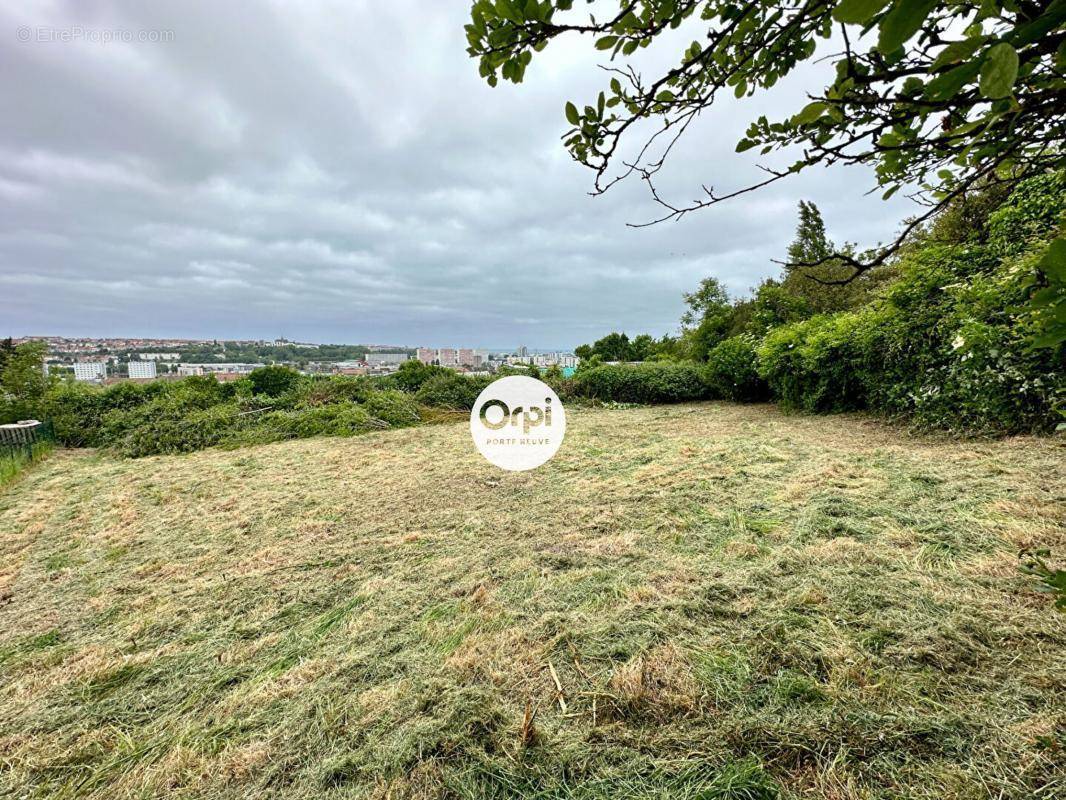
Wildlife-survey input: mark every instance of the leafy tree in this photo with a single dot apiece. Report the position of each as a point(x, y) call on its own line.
point(619, 347)
point(7, 350)
point(589, 363)
point(273, 381)
point(612, 347)
point(667, 348)
point(709, 299)
point(707, 320)
point(965, 219)
point(811, 244)
point(413, 373)
point(932, 93)
point(774, 305)
point(23, 383)
point(824, 287)
point(641, 348)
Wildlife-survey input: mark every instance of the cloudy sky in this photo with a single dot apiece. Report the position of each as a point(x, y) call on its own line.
point(336, 172)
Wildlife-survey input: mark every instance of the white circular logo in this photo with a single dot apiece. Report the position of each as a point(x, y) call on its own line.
point(517, 423)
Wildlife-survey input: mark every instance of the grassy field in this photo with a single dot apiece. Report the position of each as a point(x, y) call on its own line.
point(699, 601)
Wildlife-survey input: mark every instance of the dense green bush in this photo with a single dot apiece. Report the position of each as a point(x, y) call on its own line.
point(341, 419)
point(336, 389)
point(411, 375)
point(397, 409)
point(174, 428)
point(969, 365)
point(819, 364)
point(76, 411)
point(186, 418)
point(207, 387)
point(274, 381)
point(1031, 215)
point(949, 344)
point(451, 390)
point(643, 383)
point(945, 347)
point(732, 371)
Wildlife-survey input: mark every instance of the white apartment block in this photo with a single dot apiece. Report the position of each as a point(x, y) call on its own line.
point(159, 356)
point(142, 369)
point(207, 369)
point(90, 370)
point(452, 357)
point(381, 359)
point(546, 360)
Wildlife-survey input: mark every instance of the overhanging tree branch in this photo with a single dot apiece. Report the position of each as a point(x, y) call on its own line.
point(931, 97)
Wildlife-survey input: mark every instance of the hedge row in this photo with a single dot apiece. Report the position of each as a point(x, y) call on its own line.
point(643, 383)
point(948, 347)
point(178, 424)
point(730, 373)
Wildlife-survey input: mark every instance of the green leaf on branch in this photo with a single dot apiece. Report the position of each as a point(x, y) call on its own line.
point(572, 115)
point(606, 43)
point(999, 71)
point(857, 12)
point(948, 84)
point(1053, 264)
point(902, 21)
point(809, 114)
point(957, 52)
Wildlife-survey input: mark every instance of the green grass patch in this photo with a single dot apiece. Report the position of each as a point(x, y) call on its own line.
point(694, 601)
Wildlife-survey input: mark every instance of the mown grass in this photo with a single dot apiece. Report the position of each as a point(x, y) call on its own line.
point(700, 601)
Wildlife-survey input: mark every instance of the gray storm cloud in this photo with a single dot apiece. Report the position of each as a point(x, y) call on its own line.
point(337, 172)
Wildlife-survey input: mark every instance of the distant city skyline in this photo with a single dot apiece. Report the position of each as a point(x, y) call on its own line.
point(148, 341)
point(354, 343)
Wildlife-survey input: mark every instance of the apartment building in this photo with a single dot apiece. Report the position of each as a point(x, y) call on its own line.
point(382, 359)
point(90, 370)
point(159, 356)
point(218, 369)
point(142, 370)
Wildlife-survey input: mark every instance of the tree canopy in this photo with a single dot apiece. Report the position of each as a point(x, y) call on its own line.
point(936, 94)
point(22, 378)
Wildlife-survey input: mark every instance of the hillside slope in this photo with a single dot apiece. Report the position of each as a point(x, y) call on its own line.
point(700, 600)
